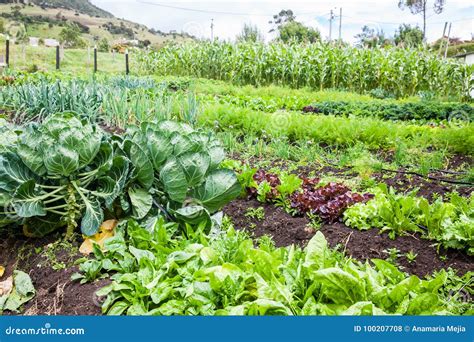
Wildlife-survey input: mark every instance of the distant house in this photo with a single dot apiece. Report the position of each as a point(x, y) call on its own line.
point(51, 42)
point(467, 57)
point(34, 41)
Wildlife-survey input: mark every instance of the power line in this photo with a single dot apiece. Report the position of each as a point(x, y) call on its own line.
point(214, 12)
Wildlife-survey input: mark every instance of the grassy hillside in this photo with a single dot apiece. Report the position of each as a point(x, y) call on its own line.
point(82, 6)
point(47, 22)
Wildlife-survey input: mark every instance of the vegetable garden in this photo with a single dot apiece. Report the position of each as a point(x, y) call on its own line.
point(290, 185)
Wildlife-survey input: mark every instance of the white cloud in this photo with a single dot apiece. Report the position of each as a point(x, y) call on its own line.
point(382, 14)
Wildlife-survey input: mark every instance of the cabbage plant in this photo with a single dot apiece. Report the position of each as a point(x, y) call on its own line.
point(66, 170)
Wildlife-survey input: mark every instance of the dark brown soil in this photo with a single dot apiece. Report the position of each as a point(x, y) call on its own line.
point(401, 182)
point(427, 188)
point(56, 293)
point(361, 245)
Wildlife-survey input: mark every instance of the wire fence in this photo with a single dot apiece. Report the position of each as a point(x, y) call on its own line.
point(44, 58)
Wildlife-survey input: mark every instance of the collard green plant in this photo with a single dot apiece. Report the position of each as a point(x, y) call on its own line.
point(66, 170)
point(180, 167)
point(58, 173)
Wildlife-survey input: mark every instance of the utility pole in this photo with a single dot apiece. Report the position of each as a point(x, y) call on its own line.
point(447, 42)
point(212, 29)
point(331, 18)
point(340, 24)
point(442, 38)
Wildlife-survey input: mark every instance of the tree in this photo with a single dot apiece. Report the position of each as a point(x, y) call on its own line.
point(103, 45)
point(250, 33)
point(421, 6)
point(70, 36)
point(296, 31)
point(371, 38)
point(408, 36)
point(2, 26)
point(290, 29)
point(281, 18)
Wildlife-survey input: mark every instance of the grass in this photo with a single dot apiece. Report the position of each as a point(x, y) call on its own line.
point(95, 25)
point(76, 61)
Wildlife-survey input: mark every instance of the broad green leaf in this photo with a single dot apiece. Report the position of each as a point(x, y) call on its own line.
point(140, 254)
point(143, 167)
point(339, 286)
point(183, 144)
point(193, 214)
point(111, 186)
point(316, 252)
point(363, 309)
point(195, 166)
point(32, 158)
point(174, 181)
point(27, 201)
point(141, 201)
point(22, 292)
point(118, 308)
point(219, 188)
point(159, 149)
point(93, 216)
point(13, 172)
point(60, 160)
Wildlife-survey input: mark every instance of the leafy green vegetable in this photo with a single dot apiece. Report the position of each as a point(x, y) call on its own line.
point(224, 274)
point(69, 170)
point(451, 223)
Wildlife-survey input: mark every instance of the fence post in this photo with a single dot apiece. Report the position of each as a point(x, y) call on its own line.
point(57, 57)
point(7, 54)
point(127, 68)
point(95, 58)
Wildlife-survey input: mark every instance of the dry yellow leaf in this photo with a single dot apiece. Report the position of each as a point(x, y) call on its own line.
point(2, 270)
point(109, 225)
point(6, 286)
point(106, 230)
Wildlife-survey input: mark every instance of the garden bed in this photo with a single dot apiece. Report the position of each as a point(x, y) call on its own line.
point(361, 245)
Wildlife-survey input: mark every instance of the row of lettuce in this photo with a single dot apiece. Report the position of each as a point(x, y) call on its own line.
point(449, 222)
point(156, 272)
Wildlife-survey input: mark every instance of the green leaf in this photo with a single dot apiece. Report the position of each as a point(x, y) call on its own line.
point(219, 188)
point(116, 178)
point(141, 201)
point(140, 254)
point(316, 252)
point(22, 292)
point(60, 160)
point(217, 155)
point(118, 308)
point(93, 217)
point(27, 201)
point(193, 214)
point(195, 166)
point(159, 148)
point(339, 286)
point(13, 172)
point(143, 168)
point(174, 181)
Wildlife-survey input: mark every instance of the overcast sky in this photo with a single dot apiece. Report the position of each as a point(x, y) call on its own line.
point(195, 17)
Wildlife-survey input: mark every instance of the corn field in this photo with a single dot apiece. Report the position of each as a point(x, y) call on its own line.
point(403, 72)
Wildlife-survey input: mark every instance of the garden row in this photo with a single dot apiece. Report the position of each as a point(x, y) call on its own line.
point(401, 72)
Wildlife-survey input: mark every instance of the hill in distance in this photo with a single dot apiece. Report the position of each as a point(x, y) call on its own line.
point(46, 19)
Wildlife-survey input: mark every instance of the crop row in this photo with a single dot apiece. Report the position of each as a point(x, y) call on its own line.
point(403, 72)
point(338, 131)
